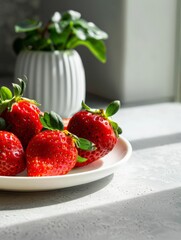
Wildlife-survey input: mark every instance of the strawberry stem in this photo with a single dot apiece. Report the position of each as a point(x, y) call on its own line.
point(7, 99)
point(92, 110)
point(111, 109)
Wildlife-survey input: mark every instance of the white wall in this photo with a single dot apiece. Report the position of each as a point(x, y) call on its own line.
point(149, 60)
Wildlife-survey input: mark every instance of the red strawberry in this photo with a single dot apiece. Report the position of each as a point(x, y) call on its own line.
point(53, 151)
point(96, 126)
point(50, 153)
point(12, 159)
point(21, 114)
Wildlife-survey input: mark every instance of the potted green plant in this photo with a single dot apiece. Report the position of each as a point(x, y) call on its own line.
point(46, 55)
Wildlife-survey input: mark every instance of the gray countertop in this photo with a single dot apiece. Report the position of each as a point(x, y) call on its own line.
point(141, 200)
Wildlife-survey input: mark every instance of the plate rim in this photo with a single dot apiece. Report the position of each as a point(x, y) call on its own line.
point(33, 184)
point(126, 157)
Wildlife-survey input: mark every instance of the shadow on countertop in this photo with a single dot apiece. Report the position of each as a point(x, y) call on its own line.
point(154, 216)
point(23, 200)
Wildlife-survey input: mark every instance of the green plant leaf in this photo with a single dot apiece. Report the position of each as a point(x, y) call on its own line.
point(60, 39)
point(71, 15)
point(112, 108)
point(97, 47)
point(63, 24)
point(28, 25)
point(90, 29)
point(56, 17)
point(81, 23)
point(62, 32)
point(95, 32)
point(44, 44)
point(80, 33)
point(34, 41)
point(52, 121)
point(55, 20)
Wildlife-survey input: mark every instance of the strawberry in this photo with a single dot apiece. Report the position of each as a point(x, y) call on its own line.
point(54, 150)
point(50, 153)
point(96, 126)
point(21, 114)
point(12, 158)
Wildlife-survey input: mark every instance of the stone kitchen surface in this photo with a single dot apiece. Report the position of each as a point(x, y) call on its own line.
point(141, 200)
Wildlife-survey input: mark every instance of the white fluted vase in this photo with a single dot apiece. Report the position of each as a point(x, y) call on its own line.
point(55, 79)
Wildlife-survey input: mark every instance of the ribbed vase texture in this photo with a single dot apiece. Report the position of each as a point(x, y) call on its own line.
point(55, 79)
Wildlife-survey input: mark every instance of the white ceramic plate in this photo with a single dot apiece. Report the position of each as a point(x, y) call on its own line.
point(92, 172)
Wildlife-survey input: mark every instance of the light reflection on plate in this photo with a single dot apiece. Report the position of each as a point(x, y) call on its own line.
point(92, 172)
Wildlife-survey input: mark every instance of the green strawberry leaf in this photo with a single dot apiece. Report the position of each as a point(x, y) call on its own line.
point(5, 93)
point(52, 121)
point(81, 159)
point(116, 128)
point(6, 99)
point(85, 144)
point(119, 130)
point(17, 90)
point(81, 143)
point(92, 110)
point(23, 83)
point(6, 105)
point(84, 106)
point(112, 108)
